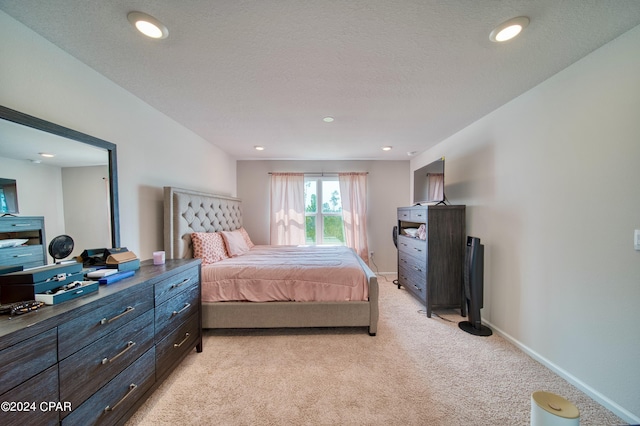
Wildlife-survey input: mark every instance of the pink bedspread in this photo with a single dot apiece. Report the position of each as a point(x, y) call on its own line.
point(286, 273)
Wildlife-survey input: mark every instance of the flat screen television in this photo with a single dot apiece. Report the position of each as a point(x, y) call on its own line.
point(8, 197)
point(428, 183)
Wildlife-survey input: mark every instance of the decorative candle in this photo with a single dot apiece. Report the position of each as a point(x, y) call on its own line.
point(158, 258)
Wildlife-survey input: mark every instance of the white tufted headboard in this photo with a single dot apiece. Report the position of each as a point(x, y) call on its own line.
point(187, 211)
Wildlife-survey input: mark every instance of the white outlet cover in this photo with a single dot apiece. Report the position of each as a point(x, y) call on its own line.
point(636, 239)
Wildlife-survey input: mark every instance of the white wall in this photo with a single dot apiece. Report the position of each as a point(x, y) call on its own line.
point(387, 187)
point(153, 151)
point(551, 184)
point(86, 207)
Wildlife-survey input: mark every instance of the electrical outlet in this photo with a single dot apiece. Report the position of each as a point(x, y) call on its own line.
point(636, 239)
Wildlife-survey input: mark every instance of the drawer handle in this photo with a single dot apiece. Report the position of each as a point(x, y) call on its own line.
point(21, 224)
point(186, 306)
point(186, 280)
point(417, 269)
point(417, 288)
point(186, 337)
point(23, 255)
point(417, 249)
point(130, 344)
point(126, 311)
point(132, 387)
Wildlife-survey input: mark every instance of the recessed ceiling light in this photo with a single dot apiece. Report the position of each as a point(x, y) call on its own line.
point(509, 29)
point(259, 148)
point(387, 148)
point(328, 119)
point(46, 154)
point(148, 25)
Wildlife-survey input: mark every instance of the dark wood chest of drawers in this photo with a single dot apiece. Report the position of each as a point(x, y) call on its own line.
point(98, 358)
point(432, 269)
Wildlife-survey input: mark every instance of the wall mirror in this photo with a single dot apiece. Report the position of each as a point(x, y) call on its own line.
point(76, 190)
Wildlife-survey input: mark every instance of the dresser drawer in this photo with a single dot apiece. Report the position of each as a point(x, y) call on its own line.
point(28, 410)
point(74, 335)
point(166, 289)
point(419, 215)
point(413, 214)
point(412, 246)
point(111, 402)
point(416, 266)
point(26, 359)
point(21, 224)
point(30, 255)
point(89, 369)
point(413, 281)
point(404, 214)
point(180, 341)
point(173, 312)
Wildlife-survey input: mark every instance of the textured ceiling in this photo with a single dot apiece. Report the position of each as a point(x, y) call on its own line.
point(401, 73)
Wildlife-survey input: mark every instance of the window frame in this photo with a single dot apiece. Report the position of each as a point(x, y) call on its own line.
point(319, 214)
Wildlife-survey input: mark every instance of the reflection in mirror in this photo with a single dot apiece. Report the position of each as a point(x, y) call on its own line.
point(75, 190)
point(8, 197)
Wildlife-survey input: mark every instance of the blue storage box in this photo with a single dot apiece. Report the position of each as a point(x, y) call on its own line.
point(24, 285)
point(86, 287)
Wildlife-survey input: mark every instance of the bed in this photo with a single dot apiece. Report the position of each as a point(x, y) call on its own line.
point(187, 211)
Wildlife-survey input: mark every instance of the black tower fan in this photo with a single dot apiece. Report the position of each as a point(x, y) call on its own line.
point(473, 288)
point(394, 236)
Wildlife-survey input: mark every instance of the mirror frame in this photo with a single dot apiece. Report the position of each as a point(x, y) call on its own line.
point(46, 126)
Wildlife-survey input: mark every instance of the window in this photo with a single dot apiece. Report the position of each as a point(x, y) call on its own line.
point(323, 221)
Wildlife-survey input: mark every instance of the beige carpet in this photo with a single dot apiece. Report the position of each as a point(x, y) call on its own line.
point(416, 371)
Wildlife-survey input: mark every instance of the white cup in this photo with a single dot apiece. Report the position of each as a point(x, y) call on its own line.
point(158, 258)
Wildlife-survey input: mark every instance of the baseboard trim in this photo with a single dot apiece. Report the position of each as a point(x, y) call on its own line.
point(619, 411)
point(387, 276)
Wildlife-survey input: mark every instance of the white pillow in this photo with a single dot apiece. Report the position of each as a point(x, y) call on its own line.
point(412, 232)
point(12, 243)
point(235, 242)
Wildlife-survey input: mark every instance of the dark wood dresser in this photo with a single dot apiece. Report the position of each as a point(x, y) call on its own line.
point(432, 270)
point(96, 359)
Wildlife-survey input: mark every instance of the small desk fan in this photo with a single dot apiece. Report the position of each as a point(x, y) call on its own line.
point(60, 247)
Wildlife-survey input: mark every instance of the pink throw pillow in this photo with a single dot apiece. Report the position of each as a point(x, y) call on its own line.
point(236, 245)
point(208, 246)
point(245, 235)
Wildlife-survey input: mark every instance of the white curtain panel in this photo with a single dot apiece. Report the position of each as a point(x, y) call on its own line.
point(287, 209)
point(353, 192)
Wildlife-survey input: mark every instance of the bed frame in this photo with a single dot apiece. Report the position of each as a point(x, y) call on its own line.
point(187, 211)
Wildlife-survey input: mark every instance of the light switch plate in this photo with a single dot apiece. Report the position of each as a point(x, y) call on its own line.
point(636, 239)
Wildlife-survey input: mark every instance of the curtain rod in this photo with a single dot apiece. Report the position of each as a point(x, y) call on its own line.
point(320, 173)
